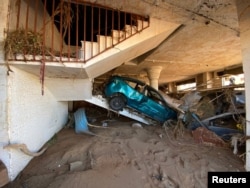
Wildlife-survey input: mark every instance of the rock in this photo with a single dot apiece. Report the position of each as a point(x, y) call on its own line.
point(75, 165)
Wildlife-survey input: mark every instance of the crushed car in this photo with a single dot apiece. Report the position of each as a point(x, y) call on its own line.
point(128, 92)
point(218, 111)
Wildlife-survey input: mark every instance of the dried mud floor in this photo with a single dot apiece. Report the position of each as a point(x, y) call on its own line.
point(126, 157)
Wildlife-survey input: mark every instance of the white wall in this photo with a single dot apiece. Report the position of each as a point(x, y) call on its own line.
point(4, 138)
point(32, 118)
point(70, 89)
point(3, 85)
point(26, 116)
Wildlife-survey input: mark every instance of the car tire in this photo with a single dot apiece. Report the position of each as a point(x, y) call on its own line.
point(117, 102)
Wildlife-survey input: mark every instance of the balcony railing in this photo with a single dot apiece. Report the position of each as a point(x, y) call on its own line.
point(66, 30)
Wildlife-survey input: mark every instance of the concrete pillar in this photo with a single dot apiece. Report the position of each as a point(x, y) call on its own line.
point(244, 20)
point(217, 81)
point(153, 75)
point(199, 81)
point(172, 87)
point(204, 80)
point(208, 79)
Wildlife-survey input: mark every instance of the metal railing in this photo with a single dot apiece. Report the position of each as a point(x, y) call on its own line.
point(66, 30)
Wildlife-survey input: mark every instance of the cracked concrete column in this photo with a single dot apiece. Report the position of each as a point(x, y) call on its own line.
point(153, 75)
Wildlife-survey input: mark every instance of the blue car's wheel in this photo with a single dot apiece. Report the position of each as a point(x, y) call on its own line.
point(117, 102)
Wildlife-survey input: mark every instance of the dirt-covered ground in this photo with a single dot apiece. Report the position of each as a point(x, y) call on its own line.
point(124, 156)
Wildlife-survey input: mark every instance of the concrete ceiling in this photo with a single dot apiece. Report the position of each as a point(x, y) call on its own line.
point(207, 38)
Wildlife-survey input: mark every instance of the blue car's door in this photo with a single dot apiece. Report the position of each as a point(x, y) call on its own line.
point(155, 107)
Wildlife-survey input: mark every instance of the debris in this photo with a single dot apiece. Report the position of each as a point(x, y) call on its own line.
point(223, 132)
point(234, 142)
point(204, 108)
point(205, 136)
point(104, 124)
point(23, 42)
point(91, 158)
point(237, 140)
point(71, 121)
point(137, 125)
point(189, 100)
point(24, 149)
point(198, 120)
point(92, 120)
point(220, 116)
point(172, 102)
point(179, 129)
point(4, 179)
point(205, 115)
point(75, 165)
point(81, 123)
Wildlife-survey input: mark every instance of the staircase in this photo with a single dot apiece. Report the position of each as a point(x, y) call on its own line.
point(96, 58)
point(127, 38)
point(89, 49)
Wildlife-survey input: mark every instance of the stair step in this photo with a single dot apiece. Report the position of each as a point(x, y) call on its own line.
point(118, 36)
point(130, 30)
point(88, 50)
point(104, 42)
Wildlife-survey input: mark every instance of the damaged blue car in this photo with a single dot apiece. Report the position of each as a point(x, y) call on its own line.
point(128, 92)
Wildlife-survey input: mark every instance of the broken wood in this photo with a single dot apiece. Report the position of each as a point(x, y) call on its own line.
point(23, 148)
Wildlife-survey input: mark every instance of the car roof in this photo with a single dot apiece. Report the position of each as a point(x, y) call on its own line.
point(129, 79)
point(135, 81)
